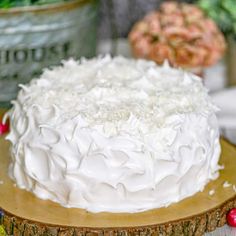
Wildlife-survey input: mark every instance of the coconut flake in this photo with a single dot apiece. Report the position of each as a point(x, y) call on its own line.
point(211, 192)
point(226, 184)
point(234, 188)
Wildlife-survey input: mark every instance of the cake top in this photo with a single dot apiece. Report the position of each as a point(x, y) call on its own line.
point(109, 90)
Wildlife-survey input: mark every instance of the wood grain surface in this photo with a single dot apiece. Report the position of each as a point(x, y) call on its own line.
point(192, 216)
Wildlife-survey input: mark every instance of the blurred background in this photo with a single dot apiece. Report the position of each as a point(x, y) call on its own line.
point(123, 14)
point(199, 36)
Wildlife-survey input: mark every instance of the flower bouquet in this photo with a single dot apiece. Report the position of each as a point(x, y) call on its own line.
point(181, 33)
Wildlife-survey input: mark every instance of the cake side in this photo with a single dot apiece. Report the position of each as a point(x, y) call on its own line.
point(116, 135)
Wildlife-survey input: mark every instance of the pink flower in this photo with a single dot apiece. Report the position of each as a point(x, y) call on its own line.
point(194, 31)
point(191, 12)
point(135, 36)
point(190, 55)
point(208, 25)
point(175, 30)
point(160, 52)
point(176, 19)
point(169, 7)
point(142, 47)
point(140, 29)
point(180, 33)
point(154, 27)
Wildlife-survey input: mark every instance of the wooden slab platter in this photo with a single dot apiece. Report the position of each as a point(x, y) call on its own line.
point(24, 214)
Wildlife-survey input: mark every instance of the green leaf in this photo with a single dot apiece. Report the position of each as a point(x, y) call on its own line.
point(5, 3)
point(223, 12)
point(2, 231)
point(18, 3)
point(208, 4)
point(230, 7)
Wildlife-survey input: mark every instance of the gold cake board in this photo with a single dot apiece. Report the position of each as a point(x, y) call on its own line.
point(25, 214)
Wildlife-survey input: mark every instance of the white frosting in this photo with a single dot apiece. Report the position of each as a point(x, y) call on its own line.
point(114, 135)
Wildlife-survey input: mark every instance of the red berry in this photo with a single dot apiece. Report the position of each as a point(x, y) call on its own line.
point(231, 217)
point(4, 128)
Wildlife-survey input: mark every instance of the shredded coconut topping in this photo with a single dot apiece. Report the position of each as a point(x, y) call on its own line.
point(111, 90)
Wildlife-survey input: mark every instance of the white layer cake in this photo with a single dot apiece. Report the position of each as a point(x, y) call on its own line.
point(114, 134)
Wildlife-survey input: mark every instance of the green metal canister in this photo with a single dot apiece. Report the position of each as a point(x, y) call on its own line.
point(35, 37)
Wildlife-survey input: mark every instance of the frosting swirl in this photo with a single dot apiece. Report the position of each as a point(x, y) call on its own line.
point(115, 135)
